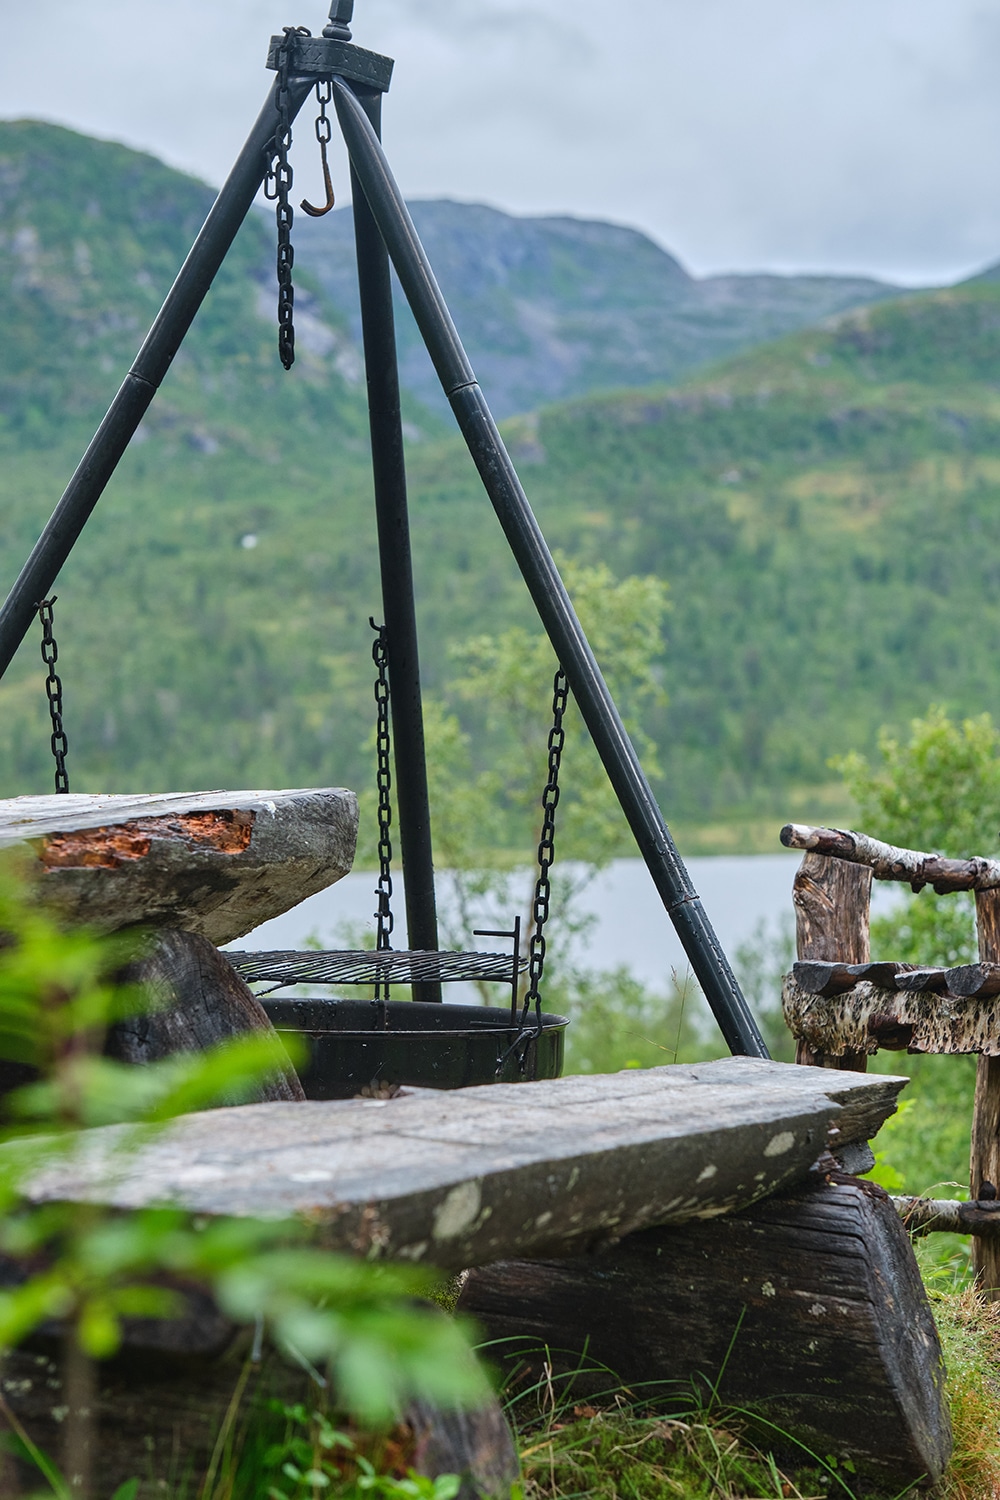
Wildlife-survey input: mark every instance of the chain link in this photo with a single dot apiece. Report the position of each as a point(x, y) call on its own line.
point(324, 131)
point(277, 187)
point(383, 749)
point(546, 845)
point(53, 691)
point(521, 1045)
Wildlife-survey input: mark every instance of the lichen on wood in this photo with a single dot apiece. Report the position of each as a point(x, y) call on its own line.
point(869, 1018)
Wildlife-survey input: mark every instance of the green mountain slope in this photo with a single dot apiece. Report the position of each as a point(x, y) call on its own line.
point(826, 510)
point(552, 308)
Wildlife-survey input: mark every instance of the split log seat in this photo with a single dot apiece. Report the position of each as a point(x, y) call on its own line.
point(589, 1168)
point(194, 870)
point(474, 1175)
point(216, 864)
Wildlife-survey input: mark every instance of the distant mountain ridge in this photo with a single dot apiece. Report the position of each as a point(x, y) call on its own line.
point(551, 308)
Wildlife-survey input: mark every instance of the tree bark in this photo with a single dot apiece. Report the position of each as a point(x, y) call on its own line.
point(949, 1215)
point(869, 1017)
point(832, 901)
point(809, 1309)
point(891, 863)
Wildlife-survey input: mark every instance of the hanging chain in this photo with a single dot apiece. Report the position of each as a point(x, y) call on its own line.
point(546, 846)
point(53, 691)
point(324, 93)
point(277, 187)
point(383, 747)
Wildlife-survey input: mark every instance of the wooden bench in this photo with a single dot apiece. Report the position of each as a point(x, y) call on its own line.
point(684, 1224)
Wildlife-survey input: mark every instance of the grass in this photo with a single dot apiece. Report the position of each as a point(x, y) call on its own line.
point(612, 1451)
point(618, 1449)
point(970, 1334)
point(622, 1445)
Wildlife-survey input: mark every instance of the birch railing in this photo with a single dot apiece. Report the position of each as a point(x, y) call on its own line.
point(841, 1008)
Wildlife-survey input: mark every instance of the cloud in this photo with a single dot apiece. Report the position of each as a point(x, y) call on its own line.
point(794, 134)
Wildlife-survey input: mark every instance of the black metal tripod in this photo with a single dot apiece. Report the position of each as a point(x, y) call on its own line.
point(384, 229)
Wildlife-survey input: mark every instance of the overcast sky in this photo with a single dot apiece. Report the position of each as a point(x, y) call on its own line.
point(846, 135)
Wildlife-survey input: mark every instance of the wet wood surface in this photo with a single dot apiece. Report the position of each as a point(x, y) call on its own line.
point(808, 1308)
point(214, 863)
point(473, 1175)
point(981, 980)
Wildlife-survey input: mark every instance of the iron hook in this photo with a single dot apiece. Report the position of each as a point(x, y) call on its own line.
point(317, 213)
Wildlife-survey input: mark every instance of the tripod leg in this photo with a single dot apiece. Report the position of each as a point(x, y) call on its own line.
point(397, 574)
point(544, 583)
point(141, 383)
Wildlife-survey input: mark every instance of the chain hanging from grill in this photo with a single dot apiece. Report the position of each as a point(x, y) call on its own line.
point(277, 187)
point(546, 848)
point(53, 691)
point(383, 746)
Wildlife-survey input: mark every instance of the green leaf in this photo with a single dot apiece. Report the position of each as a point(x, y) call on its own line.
point(97, 1328)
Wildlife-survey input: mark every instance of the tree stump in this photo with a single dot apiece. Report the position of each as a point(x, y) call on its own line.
point(807, 1309)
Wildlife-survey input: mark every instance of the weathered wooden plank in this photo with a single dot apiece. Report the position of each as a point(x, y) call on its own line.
point(828, 979)
point(980, 980)
point(196, 1000)
point(213, 863)
point(869, 1018)
point(932, 980)
point(984, 1154)
point(832, 902)
point(807, 1308)
point(473, 1175)
point(888, 862)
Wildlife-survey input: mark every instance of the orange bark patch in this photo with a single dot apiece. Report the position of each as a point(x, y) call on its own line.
point(225, 832)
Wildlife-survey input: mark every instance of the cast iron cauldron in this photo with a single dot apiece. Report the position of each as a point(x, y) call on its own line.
point(355, 1044)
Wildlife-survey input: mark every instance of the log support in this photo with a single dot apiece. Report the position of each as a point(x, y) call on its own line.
point(808, 1308)
point(195, 1001)
point(157, 1413)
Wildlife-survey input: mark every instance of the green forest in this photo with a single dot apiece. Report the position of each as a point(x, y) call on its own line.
point(822, 510)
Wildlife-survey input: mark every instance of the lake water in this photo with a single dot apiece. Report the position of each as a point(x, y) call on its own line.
point(629, 926)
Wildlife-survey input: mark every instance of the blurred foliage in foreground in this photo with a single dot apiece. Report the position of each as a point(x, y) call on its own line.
point(90, 1268)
